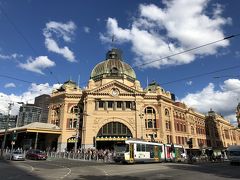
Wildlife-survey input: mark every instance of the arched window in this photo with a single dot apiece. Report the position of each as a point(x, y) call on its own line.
point(114, 129)
point(150, 117)
point(167, 112)
point(75, 117)
point(114, 71)
point(76, 110)
point(192, 129)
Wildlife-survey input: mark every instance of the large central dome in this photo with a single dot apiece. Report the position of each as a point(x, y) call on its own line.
point(113, 67)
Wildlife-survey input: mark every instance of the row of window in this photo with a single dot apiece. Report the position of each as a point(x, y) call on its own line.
point(115, 105)
point(150, 123)
point(200, 130)
point(181, 140)
point(180, 127)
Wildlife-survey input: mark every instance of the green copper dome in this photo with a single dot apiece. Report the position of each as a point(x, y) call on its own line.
point(113, 67)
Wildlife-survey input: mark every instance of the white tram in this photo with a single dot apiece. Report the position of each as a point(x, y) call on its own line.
point(133, 151)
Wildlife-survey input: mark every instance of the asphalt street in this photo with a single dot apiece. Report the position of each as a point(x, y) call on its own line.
point(78, 169)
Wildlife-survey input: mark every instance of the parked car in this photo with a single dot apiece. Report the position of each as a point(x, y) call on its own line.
point(36, 154)
point(16, 155)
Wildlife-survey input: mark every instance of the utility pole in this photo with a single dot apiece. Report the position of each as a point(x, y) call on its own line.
point(6, 128)
point(77, 131)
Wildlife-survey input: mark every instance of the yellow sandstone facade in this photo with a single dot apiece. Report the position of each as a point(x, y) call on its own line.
point(114, 107)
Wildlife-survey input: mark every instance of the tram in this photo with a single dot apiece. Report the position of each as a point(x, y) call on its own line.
point(133, 151)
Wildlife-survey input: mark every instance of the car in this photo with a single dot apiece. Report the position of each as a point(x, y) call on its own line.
point(16, 155)
point(36, 154)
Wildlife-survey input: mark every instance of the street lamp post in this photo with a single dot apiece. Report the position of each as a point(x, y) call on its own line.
point(77, 115)
point(141, 115)
point(6, 128)
point(77, 135)
point(22, 103)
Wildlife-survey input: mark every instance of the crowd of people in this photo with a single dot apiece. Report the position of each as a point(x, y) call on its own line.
point(105, 155)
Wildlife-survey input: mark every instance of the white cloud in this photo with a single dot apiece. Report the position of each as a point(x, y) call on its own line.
point(27, 97)
point(10, 85)
point(55, 30)
point(189, 83)
point(37, 64)
point(223, 101)
point(11, 56)
point(86, 29)
point(180, 25)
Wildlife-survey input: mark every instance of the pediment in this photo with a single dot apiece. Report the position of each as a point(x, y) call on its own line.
point(114, 88)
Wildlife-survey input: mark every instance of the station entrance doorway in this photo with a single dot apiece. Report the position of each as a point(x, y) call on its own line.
point(111, 135)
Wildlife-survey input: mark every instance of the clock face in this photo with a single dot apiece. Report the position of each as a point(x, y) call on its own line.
point(115, 92)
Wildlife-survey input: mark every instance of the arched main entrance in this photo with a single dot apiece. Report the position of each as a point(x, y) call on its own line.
point(111, 134)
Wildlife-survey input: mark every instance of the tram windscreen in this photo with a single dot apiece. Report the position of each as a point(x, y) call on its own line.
point(121, 148)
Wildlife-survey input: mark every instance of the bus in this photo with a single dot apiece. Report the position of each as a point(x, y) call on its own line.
point(133, 151)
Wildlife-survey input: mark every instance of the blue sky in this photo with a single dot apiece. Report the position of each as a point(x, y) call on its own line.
point(48, 42)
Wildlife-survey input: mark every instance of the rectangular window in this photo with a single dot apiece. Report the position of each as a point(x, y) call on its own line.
point(101, 104)
point(110, 104)
point(128, 104)
point(138, 147)
point(150, 124)
point(119, 104)
point(143, 147)
point(70, 123)
point(148, 148)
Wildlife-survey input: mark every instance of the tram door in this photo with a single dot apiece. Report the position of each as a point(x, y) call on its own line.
point(156, 153)
point(131, 151)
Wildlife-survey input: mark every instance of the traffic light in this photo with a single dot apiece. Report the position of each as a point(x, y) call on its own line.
point(190, 144)
point(172, 149)
point(14, 136)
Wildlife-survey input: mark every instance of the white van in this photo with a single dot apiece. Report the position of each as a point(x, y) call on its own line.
point(234, 154)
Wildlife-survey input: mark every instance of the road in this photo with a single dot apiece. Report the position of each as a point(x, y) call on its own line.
point(76, 169)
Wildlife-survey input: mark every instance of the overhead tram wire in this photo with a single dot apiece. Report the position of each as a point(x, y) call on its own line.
point(202, 74)
point(14, 78)
point(25, 39)
point(191, 49)
point(188, 50)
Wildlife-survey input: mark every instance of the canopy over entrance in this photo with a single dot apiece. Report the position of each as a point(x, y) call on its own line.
point(111, 134)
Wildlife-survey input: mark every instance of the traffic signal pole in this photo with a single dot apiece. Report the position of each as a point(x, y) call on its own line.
point(6, 129)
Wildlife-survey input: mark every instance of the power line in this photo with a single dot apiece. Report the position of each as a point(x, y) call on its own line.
point(10, 77)
point(202, 74)
point(24, 38)
point(143, 64)
point(188, 50)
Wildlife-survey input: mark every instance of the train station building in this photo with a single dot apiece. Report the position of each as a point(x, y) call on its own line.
point(114, 107)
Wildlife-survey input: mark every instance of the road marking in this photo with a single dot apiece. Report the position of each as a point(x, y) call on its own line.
point(18, 176)
point(65, 175)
